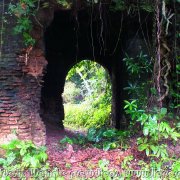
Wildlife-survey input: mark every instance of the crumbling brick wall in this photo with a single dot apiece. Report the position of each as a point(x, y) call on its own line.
point(20, 78)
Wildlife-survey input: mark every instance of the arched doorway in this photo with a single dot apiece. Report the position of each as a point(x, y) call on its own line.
point(87, 96)
point(65, 45)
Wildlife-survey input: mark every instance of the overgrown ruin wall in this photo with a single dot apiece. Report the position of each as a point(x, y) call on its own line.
point(22, 70)
point(19, 91)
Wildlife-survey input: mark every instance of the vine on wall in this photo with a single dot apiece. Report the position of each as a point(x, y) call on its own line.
point(164, 59)
point(24, 10)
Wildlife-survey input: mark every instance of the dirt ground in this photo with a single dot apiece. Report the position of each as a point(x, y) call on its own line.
point(75, 158)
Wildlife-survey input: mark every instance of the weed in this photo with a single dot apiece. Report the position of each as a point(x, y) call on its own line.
point(23, 155)
point(101, 138)
point(155, 129)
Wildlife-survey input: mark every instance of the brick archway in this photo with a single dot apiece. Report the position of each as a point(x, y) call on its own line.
point(67, 38)
point(52, 108)
point(64, 46)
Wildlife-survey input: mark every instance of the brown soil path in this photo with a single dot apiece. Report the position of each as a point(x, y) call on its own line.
point(77, 159)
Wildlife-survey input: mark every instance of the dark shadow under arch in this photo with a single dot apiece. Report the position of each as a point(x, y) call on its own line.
point(67, 40)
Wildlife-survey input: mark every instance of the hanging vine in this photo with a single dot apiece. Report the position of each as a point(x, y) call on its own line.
point(162, 65)
point(25, 11)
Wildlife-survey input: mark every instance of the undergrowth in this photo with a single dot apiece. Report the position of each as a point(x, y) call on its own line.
point(87, 96)
point(85, 115)
point(104, 138)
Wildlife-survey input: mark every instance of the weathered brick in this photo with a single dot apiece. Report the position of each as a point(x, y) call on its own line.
point(15, 114)
point(2, 111)
point(14, 126)
point(5, 98)
point(3, 121)
point(11, 122)
point(20, 131)
point(5, 115)
point(24, 126)
point(4, 127)
point(13, 118)
point(6, 131)
point(25, 137)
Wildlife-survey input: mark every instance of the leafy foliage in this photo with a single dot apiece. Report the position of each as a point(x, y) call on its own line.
point(104, 138)
point(174, 88)
point(66, 140)
point(22, 155)
point(95, 110)
point(154, 127)
point(126, 162)
point(64, 3)
point(90, 77)
point(139, 65)
point(139, 69)
point(23, 10)
point(84, 115)
point(122, 5)
point(90, 104)
point(159, 166)
point(103, 164)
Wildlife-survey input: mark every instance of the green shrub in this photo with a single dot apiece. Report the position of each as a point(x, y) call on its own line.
point(71, 93)
point(154, 127)
point(103, 138)
point(85, 115)
point(23, 155)
point(89, 86)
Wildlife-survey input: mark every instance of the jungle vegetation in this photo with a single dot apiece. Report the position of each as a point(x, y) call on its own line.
point(152, 118)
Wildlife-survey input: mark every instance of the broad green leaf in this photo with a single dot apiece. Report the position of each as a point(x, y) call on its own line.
point(26, 160)
point(133, 102)
point(126, 106)
point(23, 151)
point(34, 162)
point(143, 118)
point(145, 140)
point(113, 145)
point(139, 140)
point(103, 164)
point(142, 147)
point(145, 131)
point(10, 158)
point(165, 135)
point(109, 133)
point(158, 153)
point(66, 140)
point(42, 156)
point(99, 135)
point(175, 135)
point(176, 166)
point(154, 148)
point(91, 134)
point(147, 151)
point(106, 145)
point(2, 161)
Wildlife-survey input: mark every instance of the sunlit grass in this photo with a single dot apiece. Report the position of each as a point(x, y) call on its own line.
point(84, 115)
